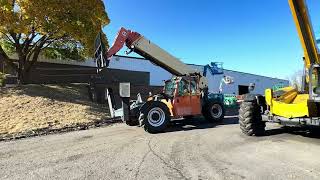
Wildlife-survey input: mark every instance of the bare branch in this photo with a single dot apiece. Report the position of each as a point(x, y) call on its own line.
point(28, 41)
point(13, 3)
point(22, 57)
point(40, 40)
point(52, 40)
point(35, 55)
point(19, 37)
point(9, 39)
point(47, 45)
point(14, 37)
point(39, 44)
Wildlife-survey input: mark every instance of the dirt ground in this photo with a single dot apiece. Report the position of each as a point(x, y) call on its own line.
point(32, 107)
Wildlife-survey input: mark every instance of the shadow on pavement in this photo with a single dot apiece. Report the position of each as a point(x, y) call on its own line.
point(311, 132)
point(198, 123)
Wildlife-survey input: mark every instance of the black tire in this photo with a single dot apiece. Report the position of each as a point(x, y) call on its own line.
point(213, 112)
point(155, 117)
point(250, 119)
point(132, 123)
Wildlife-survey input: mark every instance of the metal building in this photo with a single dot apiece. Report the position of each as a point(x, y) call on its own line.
point(240, 85)
point(157, 74)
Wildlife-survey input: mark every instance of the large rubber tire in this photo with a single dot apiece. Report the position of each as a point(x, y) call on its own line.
point(134, 122)
point(213, 112)
point(250, 119)
point(155, 117)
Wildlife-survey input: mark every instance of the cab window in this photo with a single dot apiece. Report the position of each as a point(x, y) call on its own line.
point(169, 88)
point(315, 78)
point(193, 87)
point(183, 88)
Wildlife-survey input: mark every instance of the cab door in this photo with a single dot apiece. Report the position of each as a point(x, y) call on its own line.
point(186, 101)
point(195, 98)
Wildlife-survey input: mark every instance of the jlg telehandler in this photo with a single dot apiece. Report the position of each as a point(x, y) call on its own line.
point(288, 106)
point(185, 95)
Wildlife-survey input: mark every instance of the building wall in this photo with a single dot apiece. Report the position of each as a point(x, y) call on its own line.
point(48, 73)
point(157, 74)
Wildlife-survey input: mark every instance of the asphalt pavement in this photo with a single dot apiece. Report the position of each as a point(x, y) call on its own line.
point(192, 149)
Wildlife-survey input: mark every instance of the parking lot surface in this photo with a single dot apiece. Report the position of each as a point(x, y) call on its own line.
point(191, 149)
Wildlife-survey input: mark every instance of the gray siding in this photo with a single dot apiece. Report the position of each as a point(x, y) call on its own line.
point(157, 74)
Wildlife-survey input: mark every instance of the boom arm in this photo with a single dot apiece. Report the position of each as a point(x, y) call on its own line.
point(145, 48)
point(305, 30)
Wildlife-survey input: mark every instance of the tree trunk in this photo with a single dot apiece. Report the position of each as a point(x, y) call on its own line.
point(26, 74)
point(20, 70)
point(22, 73)
point(25, 77)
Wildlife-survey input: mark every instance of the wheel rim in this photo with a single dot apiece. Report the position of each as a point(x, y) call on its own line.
point(156, 117)
point(216, 111)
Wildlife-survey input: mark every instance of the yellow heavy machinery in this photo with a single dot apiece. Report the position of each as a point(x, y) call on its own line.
point(289, 106)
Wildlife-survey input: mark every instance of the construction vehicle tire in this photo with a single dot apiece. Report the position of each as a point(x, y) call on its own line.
point(155, 117)
point(132, 123)
point(213, 112)
point(250, 118)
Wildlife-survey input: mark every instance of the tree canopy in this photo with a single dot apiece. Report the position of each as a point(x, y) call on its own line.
point(65, 28)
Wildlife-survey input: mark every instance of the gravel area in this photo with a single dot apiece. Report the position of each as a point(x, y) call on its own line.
point(30, 108)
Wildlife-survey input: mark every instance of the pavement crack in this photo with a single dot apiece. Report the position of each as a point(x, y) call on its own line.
point(141, 162)
point(165, 162)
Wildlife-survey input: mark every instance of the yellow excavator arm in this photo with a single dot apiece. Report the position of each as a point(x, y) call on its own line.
point(289, 102)
point(304, 27)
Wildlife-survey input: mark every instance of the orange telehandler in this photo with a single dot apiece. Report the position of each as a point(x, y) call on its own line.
point(184, 95)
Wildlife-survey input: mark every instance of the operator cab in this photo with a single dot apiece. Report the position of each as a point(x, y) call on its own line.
point(169, 88)
point(314, 82)
point(181, 86)
point(184, 94)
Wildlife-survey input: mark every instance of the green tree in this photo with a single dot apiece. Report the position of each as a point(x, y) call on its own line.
point(64, 28)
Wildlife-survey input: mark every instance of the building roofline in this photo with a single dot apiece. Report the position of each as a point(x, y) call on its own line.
point(257, 75)
point(245, 73)
point(203, 65)
point(131, 57)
